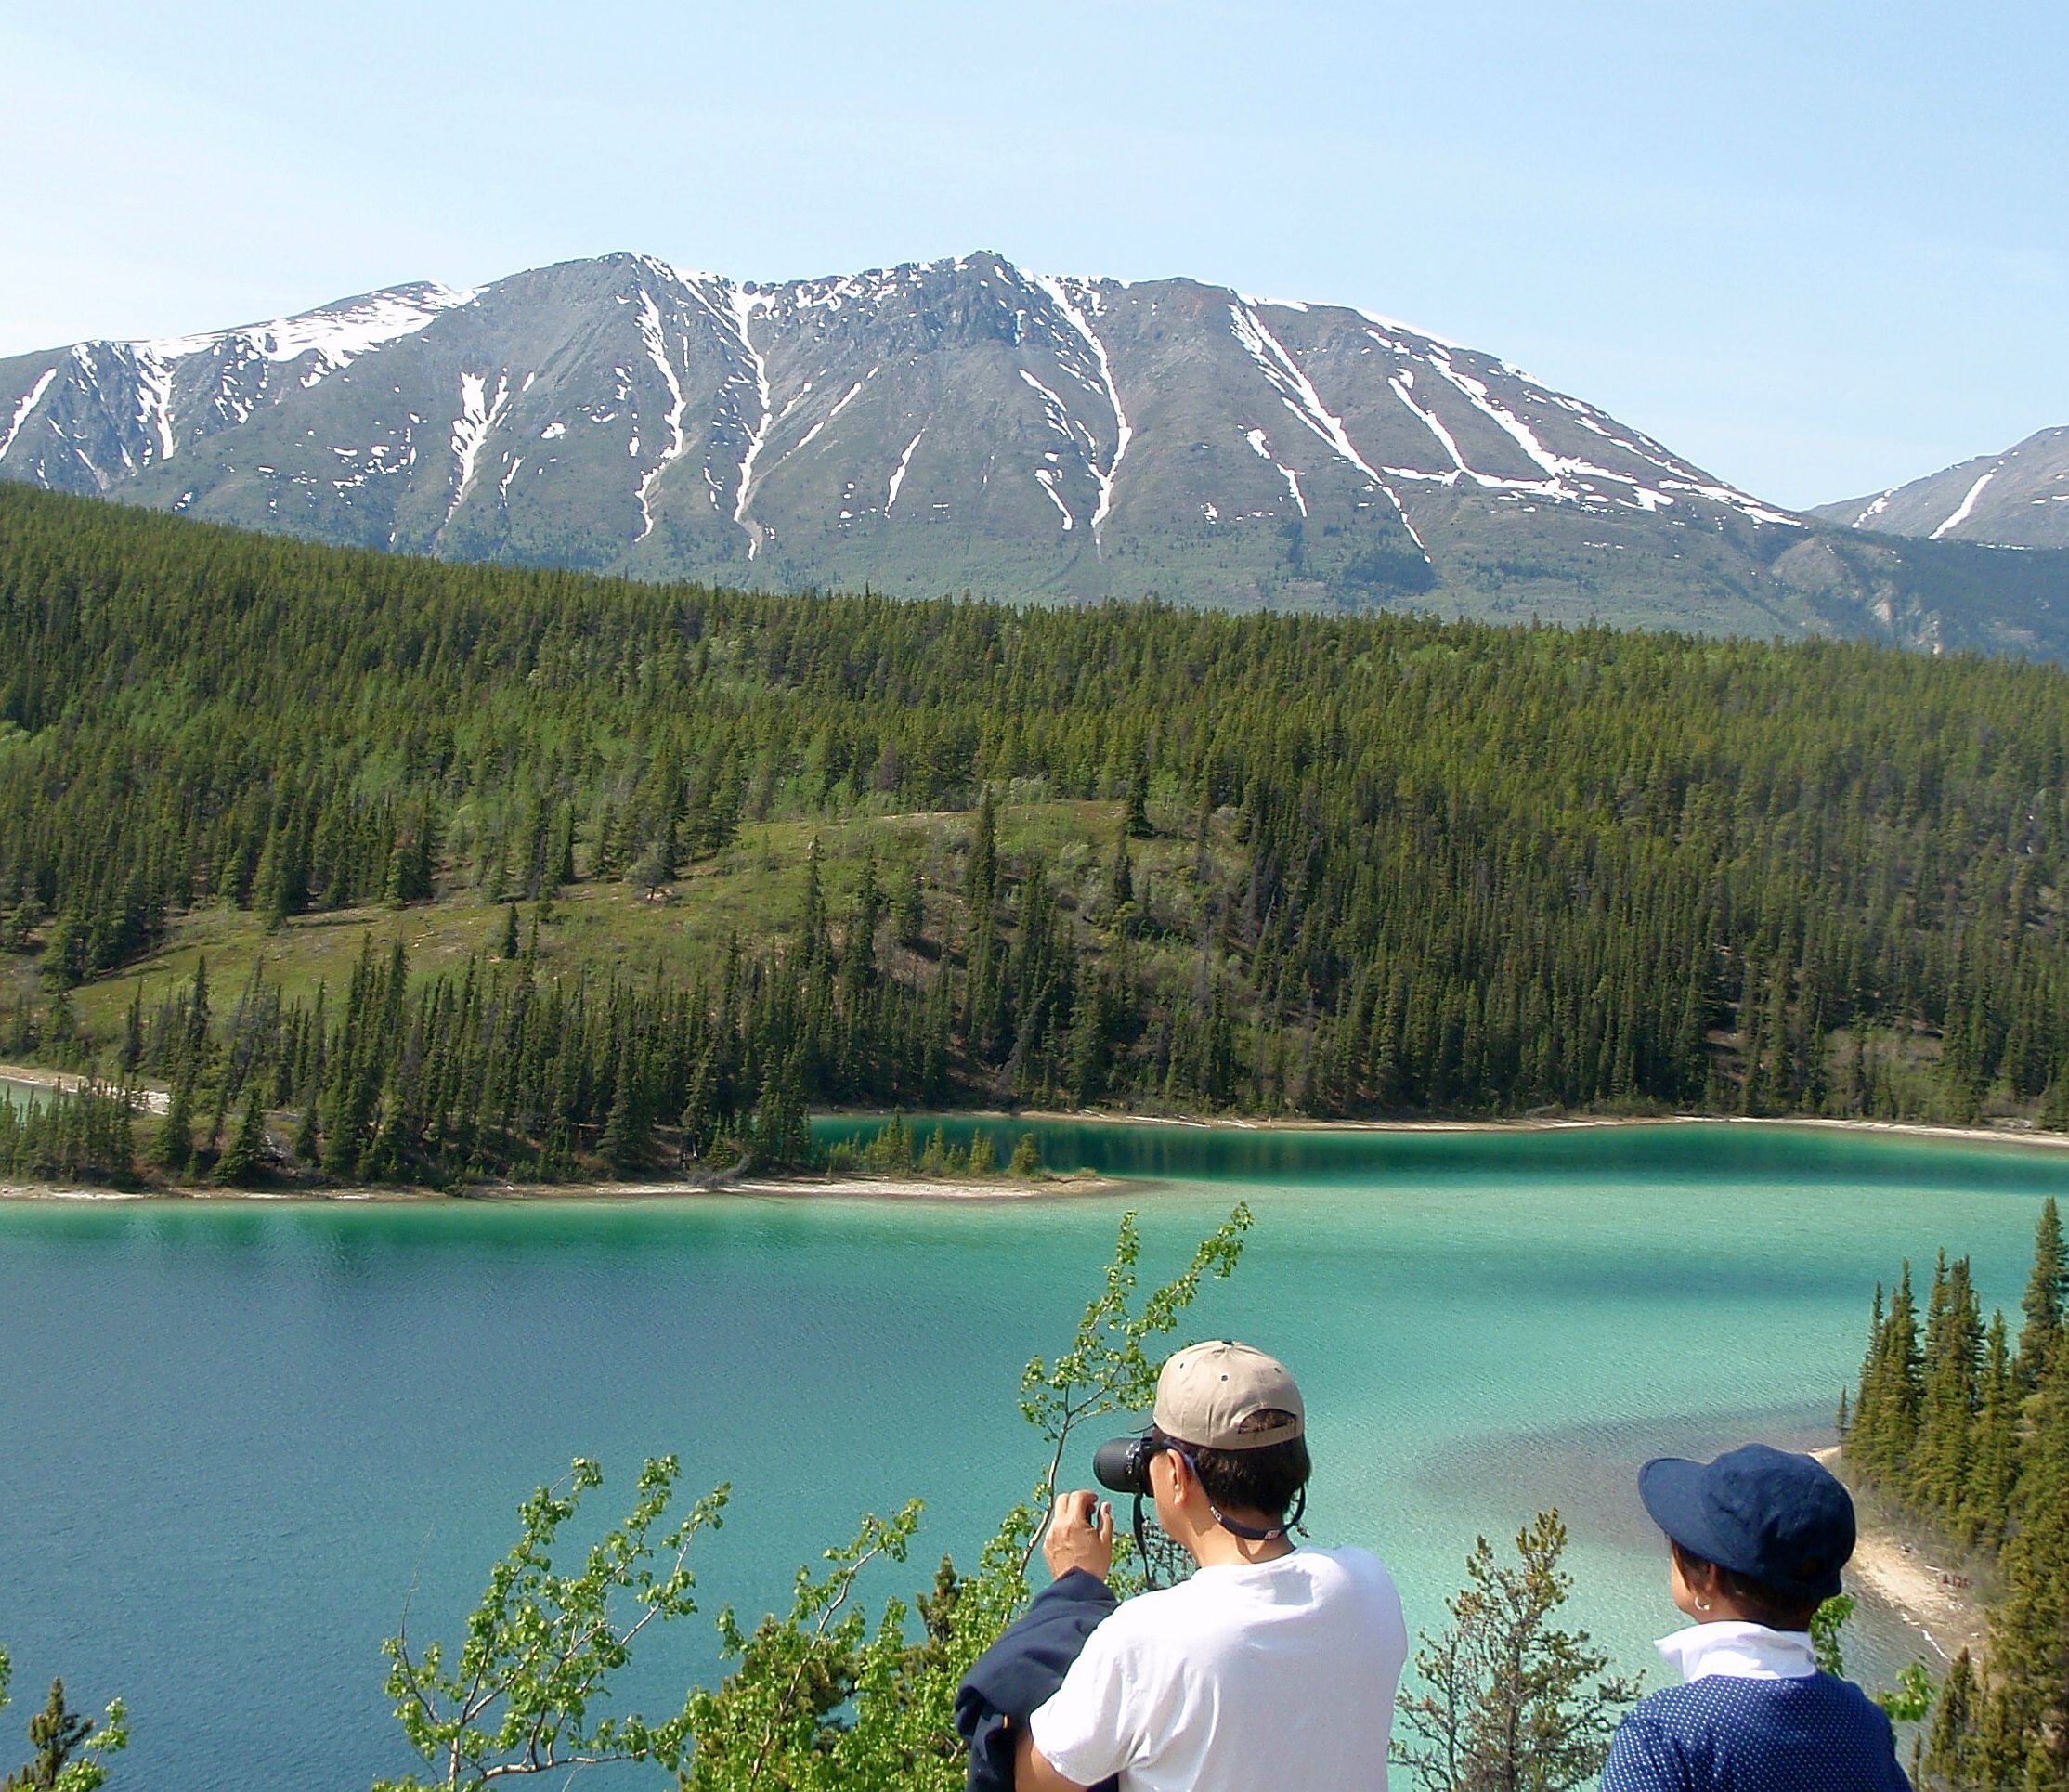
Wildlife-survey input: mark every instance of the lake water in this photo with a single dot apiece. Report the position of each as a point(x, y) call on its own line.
point(238, 1434)
point(24, 1094)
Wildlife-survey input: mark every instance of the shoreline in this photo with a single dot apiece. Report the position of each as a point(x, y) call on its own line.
point(720, 1187)
point(2013, 1133)
point(912, 1187)
point(1938, 1603)
point(2010, 1134)
point(150, 1102)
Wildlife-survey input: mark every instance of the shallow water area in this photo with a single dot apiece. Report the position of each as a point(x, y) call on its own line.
point(241, 1432)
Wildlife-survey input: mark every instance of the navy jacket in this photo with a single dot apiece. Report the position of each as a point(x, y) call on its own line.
point(1017, 1673)
point(1728, 1733)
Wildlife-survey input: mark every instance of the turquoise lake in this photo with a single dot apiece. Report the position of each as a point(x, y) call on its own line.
point(236, 1433)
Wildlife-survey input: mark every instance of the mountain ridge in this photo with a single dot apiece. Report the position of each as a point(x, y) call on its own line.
point(2018, 499)
point(955, 424)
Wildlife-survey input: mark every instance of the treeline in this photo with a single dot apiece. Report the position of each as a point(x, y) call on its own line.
point(1970, 1432)
point(85, 1135)
point(1400, 865)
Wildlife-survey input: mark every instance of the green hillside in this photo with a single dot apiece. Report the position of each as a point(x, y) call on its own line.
point(764, 851)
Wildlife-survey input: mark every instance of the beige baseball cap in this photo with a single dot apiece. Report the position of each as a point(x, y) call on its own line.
point(1210, 1394)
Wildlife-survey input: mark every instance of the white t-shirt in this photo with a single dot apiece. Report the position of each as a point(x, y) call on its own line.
point(1279, 1675)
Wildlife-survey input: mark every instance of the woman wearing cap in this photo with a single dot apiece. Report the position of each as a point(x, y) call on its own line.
point(1756, 1541)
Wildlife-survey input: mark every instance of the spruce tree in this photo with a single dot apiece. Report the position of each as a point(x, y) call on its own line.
point(1949, 1754)
point(1885, 1452)
point(2029, 1669)
point(1134, 819)
point(174, 1150)
point(1506, 1700)
point(1994, 1453)
point(911, 911)
point(626, 1138)
point(1940, 1457)
point(242, 1161)
point(2046, 1288)
point(57, 1734)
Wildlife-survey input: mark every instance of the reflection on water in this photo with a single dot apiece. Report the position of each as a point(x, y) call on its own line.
point(255, 1427)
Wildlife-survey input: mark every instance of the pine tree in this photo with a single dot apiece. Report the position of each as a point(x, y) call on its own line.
point(56, 1733)
point(510, 939)
point(1940, 1457)
point(911, 912)
point(1135, 820)
point(1120, 886)
point(1508, 1702)
point(2029, 1669)
point(628, 1137)
point(1891, 1394)
point(782, 1133)
point(2046, 1289)
point(240, 1162)
point(174, 1148)
point(1950, 1756)
point(1027, 1159)
point(1994, 1456)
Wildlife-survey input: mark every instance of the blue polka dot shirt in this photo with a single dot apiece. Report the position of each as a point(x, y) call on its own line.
point(1727, 1733)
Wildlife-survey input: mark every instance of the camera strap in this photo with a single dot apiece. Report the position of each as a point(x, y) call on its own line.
point(1142, 1548)
point(1259, 1533)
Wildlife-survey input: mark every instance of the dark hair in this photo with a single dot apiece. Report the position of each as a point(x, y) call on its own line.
point(1267, 1479)
point(1761, 1602)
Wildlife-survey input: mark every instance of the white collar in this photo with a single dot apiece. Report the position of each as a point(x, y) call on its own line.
point(1744, 1650)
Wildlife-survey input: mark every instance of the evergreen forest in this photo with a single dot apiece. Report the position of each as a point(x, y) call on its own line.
point(1963, 1429)
point(387, 869)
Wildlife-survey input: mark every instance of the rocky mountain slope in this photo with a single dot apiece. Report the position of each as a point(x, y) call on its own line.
point(2018, 498)
point(958, 425)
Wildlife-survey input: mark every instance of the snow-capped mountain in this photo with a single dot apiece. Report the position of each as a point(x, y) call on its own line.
point(955, 426)
point(2018, 498)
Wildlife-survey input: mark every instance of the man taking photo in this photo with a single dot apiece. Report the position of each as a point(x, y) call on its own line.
point(1274, 1667)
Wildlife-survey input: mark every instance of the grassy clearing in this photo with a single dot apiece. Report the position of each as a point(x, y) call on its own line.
point(753, 889)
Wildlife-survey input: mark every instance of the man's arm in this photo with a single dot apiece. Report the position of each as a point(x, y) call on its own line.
point(1032, 1772)
point(1080, 1536)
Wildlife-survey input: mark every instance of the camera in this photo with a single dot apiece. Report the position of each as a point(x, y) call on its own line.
point(1122, 1464)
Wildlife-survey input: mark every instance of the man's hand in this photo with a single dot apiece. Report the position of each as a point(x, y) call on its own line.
point(1076, 1542)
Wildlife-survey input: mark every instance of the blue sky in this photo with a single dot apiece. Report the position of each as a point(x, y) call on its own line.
point(1818, 248)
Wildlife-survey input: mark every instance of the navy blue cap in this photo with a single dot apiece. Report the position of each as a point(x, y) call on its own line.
point(1775, 1518)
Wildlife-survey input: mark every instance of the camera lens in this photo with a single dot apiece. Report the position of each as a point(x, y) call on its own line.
point(1122, 1464)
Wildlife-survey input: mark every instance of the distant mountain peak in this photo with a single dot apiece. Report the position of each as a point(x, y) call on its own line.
point(2018, 498)
point(959, 423)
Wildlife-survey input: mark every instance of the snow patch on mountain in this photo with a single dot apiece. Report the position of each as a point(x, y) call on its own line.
point(470, 430)
point(898, 472)
point(29, 401)
point(1299, 395)
point(1059, 292)
point(744, 305)
point(656, 347)
point(1966, 507)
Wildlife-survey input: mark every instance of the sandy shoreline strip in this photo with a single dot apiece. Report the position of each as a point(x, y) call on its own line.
point(720, 1187)
point(2011, 1134)
point(1051, 1185)
point(1936, 1601)
point(153, 1101)
point(2016, 1133)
